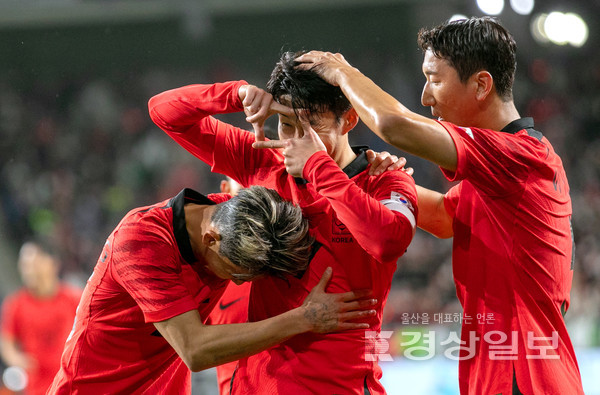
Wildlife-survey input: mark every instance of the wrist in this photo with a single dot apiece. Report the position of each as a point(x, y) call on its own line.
point(302, 320)
point(347, 74)
point(242, 92)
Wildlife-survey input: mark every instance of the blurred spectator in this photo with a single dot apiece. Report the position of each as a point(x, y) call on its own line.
point(36, 320)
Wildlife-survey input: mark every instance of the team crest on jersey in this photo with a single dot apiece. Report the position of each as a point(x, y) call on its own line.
point(338, 227)
point(340, 232)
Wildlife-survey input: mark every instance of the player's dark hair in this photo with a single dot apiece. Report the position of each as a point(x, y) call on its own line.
point(263, 233)
point(475, 44)
point(305, 88)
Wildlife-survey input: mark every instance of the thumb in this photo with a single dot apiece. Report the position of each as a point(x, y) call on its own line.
point(324, 280)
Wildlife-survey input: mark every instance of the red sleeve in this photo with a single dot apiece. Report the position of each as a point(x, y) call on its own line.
point(146, 263)
point(494, 162)
point(185, 115)
point(451, 199)
point(387, 214)
point(8, 324)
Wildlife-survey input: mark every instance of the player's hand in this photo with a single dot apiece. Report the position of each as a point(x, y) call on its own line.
point(297, 151)
point(330, 312)
point(258, 107)
point(326, 64)
point(384, 161)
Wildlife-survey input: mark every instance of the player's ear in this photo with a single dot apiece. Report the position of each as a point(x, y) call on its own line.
point(350, 119)
point(484, 83)
point(210, 237)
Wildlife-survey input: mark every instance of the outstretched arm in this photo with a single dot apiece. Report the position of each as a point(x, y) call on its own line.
point(185, 114)
point(383, 114)
point(433, 216)
point(203, 346)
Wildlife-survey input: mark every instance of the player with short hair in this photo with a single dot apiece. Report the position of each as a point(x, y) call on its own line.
point(139, 327)
point(362, 223)
point(510, 215)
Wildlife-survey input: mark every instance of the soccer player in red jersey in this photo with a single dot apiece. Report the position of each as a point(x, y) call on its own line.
point(164, 267)
point(510, 215)
point(362, 223)
point(36, 320)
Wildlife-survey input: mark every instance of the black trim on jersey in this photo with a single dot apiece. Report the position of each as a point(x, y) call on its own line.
point(520, 124)
point(366, 388)
point(515, 387)
point(359, 164)
point(179, 229)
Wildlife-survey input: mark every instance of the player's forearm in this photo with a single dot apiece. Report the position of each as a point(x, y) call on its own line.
point(396, 124)
point(433, 216)
point(220, 344)
point(11, 355)
point(177, 109)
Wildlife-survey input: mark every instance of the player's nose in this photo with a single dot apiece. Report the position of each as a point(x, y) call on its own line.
point(427, 98)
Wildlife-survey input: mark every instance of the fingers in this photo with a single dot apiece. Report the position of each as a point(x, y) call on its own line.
point(355, 315)
point(324, 280)
point(358, 305)
point(370, 156)
point(410, 171)
point(357, 294)
point(281, 109)
point(269, 144)
point(259, 131)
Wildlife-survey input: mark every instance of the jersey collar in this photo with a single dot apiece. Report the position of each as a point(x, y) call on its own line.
point(179, 229)
point(359, 164)
point(523, 124)
point(518, 125)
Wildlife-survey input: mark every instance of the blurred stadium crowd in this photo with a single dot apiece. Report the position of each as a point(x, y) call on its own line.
point(75, 156)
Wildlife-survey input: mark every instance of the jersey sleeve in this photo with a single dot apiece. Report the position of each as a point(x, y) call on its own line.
point(146, 264)
point(451, 199)
point(186, 115)
point(383, 220)
point(494, 162)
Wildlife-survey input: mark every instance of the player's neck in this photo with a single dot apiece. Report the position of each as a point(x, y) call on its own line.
point(498, 115)
point(344, 156)
point(45, 289)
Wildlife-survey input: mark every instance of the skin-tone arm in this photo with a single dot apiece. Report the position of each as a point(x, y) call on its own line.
point(383, 114)
point(203, 346)
point(433, 216)
point(12, 355)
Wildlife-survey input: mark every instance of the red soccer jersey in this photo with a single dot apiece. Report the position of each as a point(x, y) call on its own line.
point(231, 309)
point(512, 261)
point(146, 273)
point(40, 327)
point(362, 223)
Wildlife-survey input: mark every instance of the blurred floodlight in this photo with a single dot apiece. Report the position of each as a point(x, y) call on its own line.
point(537, 28)
point(555, 28)
point(491, 7)
point(577, 29)
point(522, 7)
point(457, 17)
point(560, 29)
